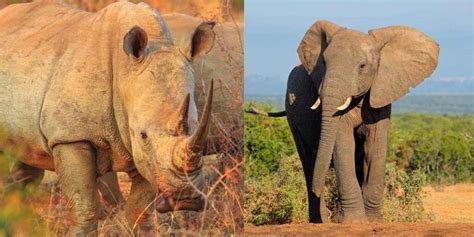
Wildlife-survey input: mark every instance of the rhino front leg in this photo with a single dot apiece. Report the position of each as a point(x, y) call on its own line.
point(75, 166)
point(140, 206)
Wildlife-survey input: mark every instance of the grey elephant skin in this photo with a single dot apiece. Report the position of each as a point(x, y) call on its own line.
point(84, 94)
point(338, 106)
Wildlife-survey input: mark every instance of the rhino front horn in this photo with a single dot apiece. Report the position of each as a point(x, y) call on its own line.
point(195, 143)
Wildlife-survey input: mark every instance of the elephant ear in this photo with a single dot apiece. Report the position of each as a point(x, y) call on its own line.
point(314, 42)
point(191, 35)
point(407, 57)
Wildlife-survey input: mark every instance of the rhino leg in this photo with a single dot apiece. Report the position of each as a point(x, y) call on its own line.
point(140, 207)
point(24, 174)
point(75, 166)
point(109, 188)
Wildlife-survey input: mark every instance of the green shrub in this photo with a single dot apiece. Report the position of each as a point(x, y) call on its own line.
point(279, 197)
point(267, 140)
point(403, 195)
point(442, 147)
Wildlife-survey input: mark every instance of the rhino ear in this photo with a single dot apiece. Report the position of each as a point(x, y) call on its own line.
point(407, 57)
point(203, 39)
point(315, 42)
point(135, 42)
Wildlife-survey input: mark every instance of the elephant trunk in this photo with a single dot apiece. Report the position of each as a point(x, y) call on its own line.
point(330, 100)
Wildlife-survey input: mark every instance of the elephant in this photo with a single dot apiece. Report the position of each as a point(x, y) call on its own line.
point(85, 94)
point(338, 106)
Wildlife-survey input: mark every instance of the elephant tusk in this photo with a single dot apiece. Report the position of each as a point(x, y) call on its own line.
point(316, 104)
point(346, 104)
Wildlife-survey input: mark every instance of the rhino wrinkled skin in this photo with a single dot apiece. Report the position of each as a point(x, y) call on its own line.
point(84, 94)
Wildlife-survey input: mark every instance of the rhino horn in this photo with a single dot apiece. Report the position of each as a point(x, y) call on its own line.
point(194, 145)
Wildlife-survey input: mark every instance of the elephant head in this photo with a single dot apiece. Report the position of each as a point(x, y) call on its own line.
point(381, 65)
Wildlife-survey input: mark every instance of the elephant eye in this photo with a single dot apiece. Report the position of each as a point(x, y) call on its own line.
point(362, 66)
point(143, 135)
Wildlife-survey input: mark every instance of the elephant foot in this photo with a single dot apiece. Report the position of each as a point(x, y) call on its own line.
point(375, 217)
point(352, 217)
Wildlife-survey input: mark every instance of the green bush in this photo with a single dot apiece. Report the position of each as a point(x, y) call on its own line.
point(266, 142)
point(279, 197)
point(442, 147)
point(403, 195)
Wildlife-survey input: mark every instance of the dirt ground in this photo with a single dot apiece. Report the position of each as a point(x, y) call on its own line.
point(452, 204)
point(450, 212)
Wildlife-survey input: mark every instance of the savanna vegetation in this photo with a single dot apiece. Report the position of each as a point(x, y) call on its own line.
point(423, 149)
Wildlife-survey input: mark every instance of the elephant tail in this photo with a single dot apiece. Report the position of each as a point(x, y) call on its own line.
point(255, 110)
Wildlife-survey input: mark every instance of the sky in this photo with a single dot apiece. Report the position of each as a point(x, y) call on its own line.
point(274, 28)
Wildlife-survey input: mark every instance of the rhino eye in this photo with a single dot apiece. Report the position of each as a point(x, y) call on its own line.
point(143, 135)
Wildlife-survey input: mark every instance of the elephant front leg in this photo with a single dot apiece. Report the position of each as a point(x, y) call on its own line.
point(374, 169)
point(75, 166)
point(350, 194)
point(140, 206)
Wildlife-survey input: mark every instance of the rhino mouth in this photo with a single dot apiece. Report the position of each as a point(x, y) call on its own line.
point(168, 204)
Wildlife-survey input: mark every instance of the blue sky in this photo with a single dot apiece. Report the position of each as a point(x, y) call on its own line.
point(274, 28)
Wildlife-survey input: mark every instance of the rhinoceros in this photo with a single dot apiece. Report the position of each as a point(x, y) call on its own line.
point(223, 65)
point(84, 94)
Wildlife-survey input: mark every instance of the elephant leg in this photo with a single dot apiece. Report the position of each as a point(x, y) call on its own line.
point(317, 209)
point(140, 206)
point(350, 194)
point(24, 174)
point(374, 171)
point(75, 166)
point(359, 137)
point(109, 188)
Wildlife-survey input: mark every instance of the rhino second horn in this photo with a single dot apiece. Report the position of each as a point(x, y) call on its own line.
point(178, 124)
point(196, 142)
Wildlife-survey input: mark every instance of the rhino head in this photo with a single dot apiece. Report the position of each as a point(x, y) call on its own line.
point(164, 136)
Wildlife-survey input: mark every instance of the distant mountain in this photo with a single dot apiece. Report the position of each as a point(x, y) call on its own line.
point(256, 85)
point(437, 104)
point(446, 85)
point(264, 85)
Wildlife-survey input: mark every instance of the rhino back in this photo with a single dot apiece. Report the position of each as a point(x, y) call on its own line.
point(32, 43)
